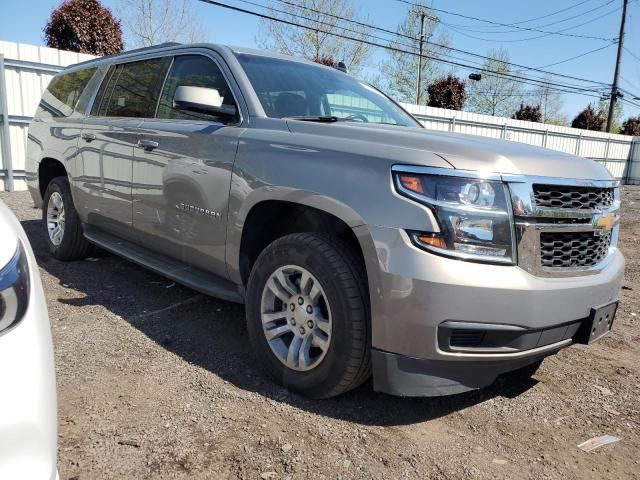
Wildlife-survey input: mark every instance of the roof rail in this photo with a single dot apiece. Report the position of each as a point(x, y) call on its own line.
point(127, 52)
point(152, 47)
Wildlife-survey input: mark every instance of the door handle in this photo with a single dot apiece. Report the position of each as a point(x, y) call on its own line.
point(148, 145)
point(89, 137)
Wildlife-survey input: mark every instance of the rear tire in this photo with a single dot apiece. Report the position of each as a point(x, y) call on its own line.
point(62, 226)
point(322, 311)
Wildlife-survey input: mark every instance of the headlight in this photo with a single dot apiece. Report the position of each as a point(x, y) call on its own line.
point(14, 290)
point(473, 214)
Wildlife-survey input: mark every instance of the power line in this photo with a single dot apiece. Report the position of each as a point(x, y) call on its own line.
point(578, 15)
point(631, 53)
point(552, 23)
point(629, 102)
point(349, 20)
point(629, 82)
point(429, 42)
point(553, 13)
point(468, 17)
point(331, 25)
point(577, 56)
point(517, 78)
point(558, 32)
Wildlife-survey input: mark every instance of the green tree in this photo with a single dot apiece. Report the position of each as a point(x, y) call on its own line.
point(447, 92)
point(529, 113)
point(631, 126)
point(603, 108)
point(84, 26)
point(399, 72)
point(589, 119)
point(326, 60)
point(324, 19)
point(496, 93)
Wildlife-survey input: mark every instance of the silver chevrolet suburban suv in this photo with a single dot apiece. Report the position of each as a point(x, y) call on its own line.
point(360, 243)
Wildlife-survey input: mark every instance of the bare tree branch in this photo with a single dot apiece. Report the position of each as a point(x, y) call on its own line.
point(495, 94)
point(150, 22)
point(551, 103)
point(324, 18)
point(400, 72)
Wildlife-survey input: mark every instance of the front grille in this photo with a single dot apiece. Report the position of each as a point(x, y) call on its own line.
point(564, 196)
point(573, 249)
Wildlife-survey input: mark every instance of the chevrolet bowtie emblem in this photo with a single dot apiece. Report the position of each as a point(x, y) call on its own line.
point(606, 221)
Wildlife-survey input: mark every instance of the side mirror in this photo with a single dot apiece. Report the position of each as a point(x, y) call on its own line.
point(202, 100)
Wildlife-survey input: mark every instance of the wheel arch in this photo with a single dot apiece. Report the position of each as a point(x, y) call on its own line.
point(48, 169)
point(271, 219)
point(264, 217)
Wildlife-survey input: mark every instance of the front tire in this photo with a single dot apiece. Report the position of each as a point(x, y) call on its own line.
point(308, 315)
point(62, 226)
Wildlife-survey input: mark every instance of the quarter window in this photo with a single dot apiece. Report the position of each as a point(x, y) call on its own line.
point(66, 90)
point(194, 71)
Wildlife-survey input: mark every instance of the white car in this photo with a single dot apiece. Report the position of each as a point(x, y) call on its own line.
point(28, 420)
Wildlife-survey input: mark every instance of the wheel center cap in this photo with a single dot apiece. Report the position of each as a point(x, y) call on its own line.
point(300, 314)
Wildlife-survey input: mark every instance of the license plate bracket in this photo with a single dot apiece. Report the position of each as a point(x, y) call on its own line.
point(598, 324)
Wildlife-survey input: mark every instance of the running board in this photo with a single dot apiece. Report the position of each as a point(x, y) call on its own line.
point(192, 277)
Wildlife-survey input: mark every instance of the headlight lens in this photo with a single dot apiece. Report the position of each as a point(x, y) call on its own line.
point(14, 290)
point(473, 215)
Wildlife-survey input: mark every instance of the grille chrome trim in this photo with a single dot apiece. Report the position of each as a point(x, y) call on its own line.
point(530, 223)
point(573, 249)
point(572, 196)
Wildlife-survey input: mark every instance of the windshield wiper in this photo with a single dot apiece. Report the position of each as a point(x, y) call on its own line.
point(314, 118)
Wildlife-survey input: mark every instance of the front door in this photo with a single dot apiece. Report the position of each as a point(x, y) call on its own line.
point(182, 171)
point(128, 94)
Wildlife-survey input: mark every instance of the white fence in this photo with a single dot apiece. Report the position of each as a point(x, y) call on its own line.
point(25, 71)
point(614, 151)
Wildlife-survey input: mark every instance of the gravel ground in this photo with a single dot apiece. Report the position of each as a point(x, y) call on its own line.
point(158, 381)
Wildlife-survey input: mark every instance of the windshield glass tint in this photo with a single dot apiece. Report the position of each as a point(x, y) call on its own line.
point(290, 89)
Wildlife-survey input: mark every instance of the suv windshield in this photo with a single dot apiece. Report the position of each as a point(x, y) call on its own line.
point(294, 89)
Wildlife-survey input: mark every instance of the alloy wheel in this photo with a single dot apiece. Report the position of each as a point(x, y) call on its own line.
point(55, 218)
point(296, 318)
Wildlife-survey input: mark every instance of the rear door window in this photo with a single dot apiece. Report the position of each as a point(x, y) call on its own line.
point(132, 89)
point(195, 71)
point(100, 104)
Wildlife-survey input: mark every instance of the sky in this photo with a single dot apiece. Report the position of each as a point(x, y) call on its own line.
point(24, 25)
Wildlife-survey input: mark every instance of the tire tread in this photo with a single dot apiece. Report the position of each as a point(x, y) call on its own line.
point(350, 272)
point(74, 245)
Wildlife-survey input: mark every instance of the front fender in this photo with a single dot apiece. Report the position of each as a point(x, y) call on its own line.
point(242, 203)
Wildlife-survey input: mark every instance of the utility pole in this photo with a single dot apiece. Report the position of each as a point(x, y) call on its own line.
point(614, 86)
point(423, 17)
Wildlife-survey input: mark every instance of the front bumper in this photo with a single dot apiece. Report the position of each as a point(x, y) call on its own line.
point(414, 292)
point(414, 377)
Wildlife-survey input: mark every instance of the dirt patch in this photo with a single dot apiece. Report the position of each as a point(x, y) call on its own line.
point(147, 391)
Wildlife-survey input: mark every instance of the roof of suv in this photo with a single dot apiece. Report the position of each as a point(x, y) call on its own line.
point(179, 46)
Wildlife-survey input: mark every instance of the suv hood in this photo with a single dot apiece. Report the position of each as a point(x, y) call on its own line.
point(463, 152)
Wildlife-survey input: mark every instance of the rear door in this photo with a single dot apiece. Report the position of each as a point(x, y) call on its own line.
point(181, 180)
point(58, 122)
point(129, 94)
